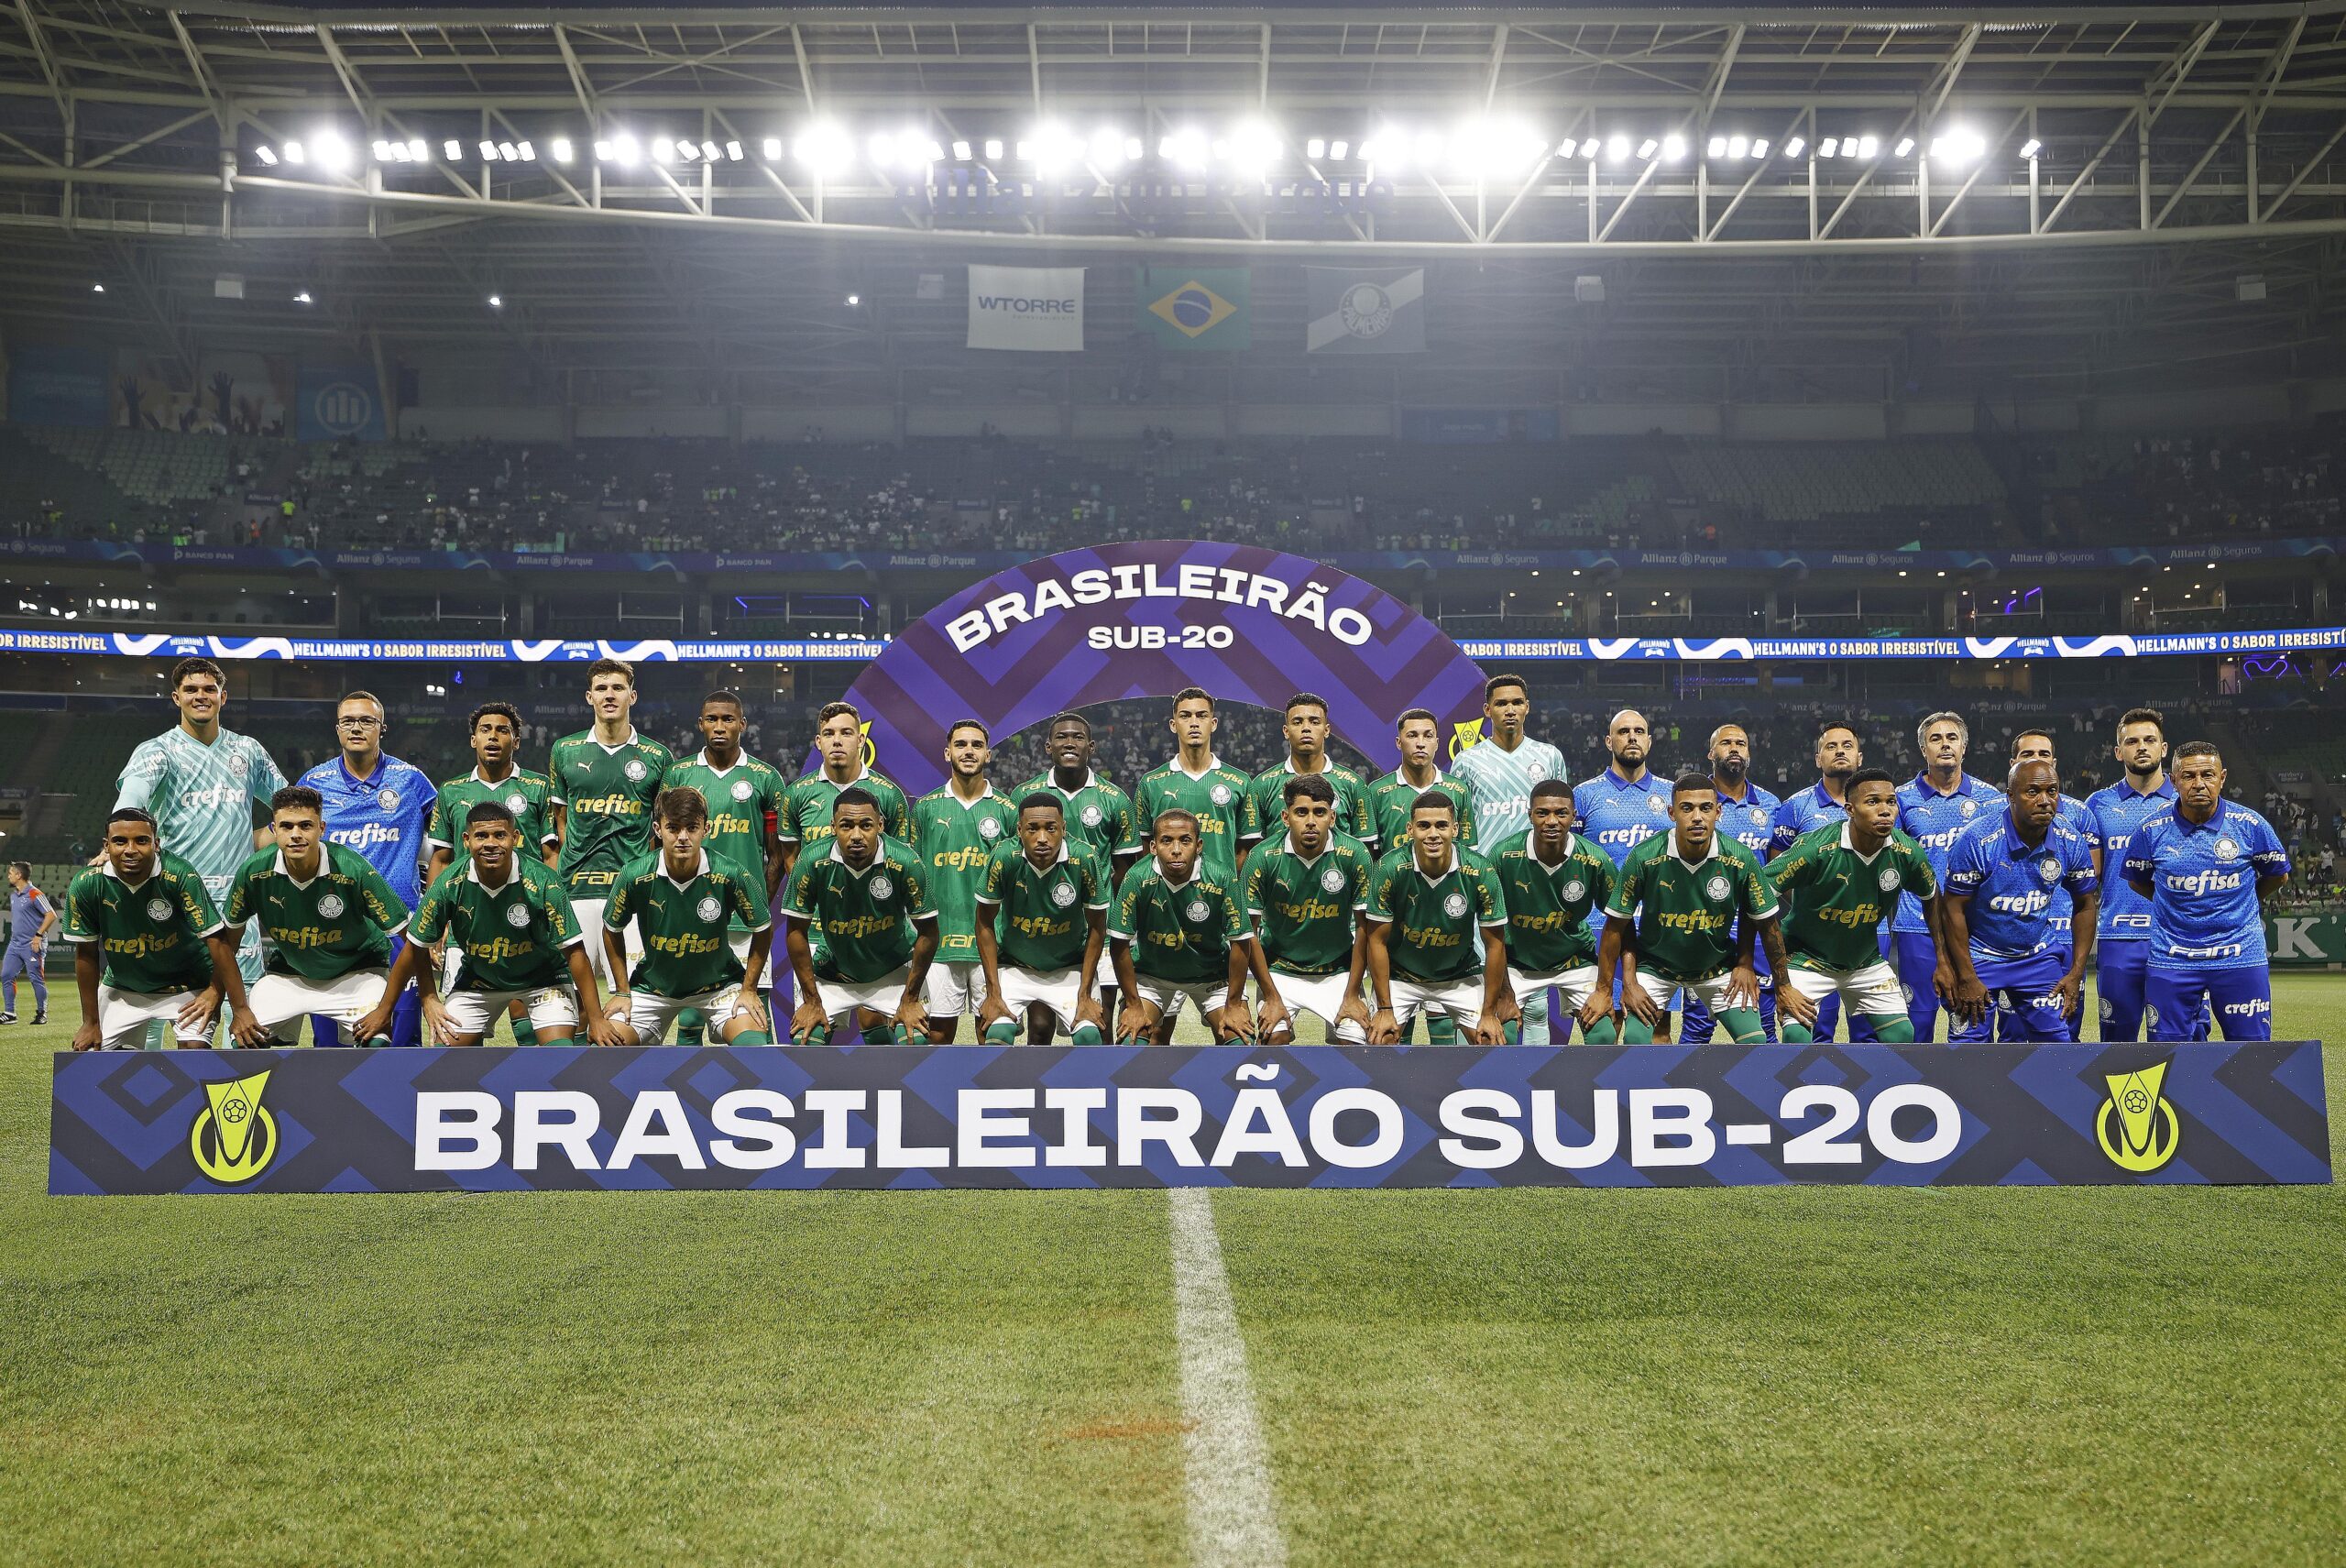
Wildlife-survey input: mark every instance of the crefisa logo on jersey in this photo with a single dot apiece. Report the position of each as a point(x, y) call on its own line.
point(2136, 1125)
point(234, 1137)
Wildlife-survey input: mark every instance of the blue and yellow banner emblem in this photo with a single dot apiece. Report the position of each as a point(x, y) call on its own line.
point(1202, 310)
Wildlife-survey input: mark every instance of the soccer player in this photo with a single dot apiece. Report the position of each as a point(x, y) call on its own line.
point(381, 807)
point(1551, 879)
point(1041, 924)
point(1838, 756)
point(868, 895)
point(1097, 813)
point(1178, 933)
point(1618, 809)
point(201, 781)
point(2207, 866)
point(744, 800)
point(2009, 959)
point(605, 779)
point(1499, 773)
point(684, 903)
point(510, 918)
point(1418, 737)
point(2036, 746)
point(1219, 796)
point(31, 917)
point(1306, 728)
point(1426, 901)
point(494, 731)
point(1685, 912)
point(143, 930)
point(331, 917)
point(957, 829)
point(1306, 886)
point(807, 813)
point(1840, 884)
point(2114, 815)
point(1748, 815)
point(1935, 806)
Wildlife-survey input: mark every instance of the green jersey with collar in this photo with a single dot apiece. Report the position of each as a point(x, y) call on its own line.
point(1548, 906)
point(1353, 817)
point(1839, 898)
point(528, 796)
point(149, 937)
point(806, 807)
point(605, 794)
point(1043, 918)
point(513, 936)
point(1391, 798)
point(1181, 932)
point(684, 924)
point(956, 840)
point(741, 800)
point(1686, 913)
point(1308, 912)
point(1434, 918)
point(1098, 812)
point(342, 919)
point(1223, 800)
point(866, 916)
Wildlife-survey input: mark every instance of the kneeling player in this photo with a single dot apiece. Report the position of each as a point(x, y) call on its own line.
point(1305, 891)
point(1686, 910)
point(148, 945)
point(2002, 873)
point(1179, 933)
point(868, 895)
point(1424, 904)
point(1843, 881)
point(509, 917)
point(681, 905)
point(329, 918)
point(1551, 879)
point(1042, 920)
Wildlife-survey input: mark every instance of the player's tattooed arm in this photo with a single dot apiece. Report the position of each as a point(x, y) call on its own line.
point(1790, 1003)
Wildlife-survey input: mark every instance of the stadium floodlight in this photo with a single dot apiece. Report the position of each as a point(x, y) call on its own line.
point(1316, 149)
point(497, 301)
point(2031, 147)
point(267, 157)
point(1739, 147)
point(1959, 146)
point(771, 149)
point(1829, 147)
point(1795, 147)
point(1672, 149)
point(384, 152)
point(1496, 147)
point(686, 152)
point(1186, 148)
point(993, 147)
point(1253, 146)
point(824, 148)
point(1616, 149)
point(561, 149)
point(663, 150)
point(522, 152)
point(452, 149)
point(296, 153)
point(1339, 149)
point(333, 154)
point(303, 298)
point(419, 151)
point(1905, 144)
point(1718, 147)
point(1760, 147)
point(1107, 149)
point(487, 151)
point(1645, 149)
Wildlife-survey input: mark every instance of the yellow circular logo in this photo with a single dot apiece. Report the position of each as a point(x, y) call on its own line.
point(2136, 1126)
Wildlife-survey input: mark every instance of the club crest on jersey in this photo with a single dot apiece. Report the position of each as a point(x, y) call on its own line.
point(2049, 869)
point(742, 789)
point(883, 887)
point(1970, 808)
point(1219, 795)
point(1759, 814)
point(1091, 817)
point(1574, 888)
point(389, 799)
point(1717, 887)
point(1197, 909)
point(517, 803)
point(1331, 879)
point(330, 905)
point(517, 916)
point(1454, 905)
point(988, 829)
point(159, 909)
point(635, 770)
point(1886, 878)
point(708, 908)
point(2226, 849)
point(1063, 894)
point(1661, 806)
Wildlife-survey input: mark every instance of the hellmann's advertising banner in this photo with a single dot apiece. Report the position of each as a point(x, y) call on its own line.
point(506, 1119)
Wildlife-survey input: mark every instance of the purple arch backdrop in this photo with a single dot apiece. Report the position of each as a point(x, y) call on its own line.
point(1146, 620)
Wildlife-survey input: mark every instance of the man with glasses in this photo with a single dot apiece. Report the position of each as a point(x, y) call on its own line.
point(381, 808)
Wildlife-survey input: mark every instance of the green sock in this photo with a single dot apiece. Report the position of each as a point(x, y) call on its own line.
point(1636, 1031)
point(1601, 1033)
point(692, 1026)
point(1898, 1030)
point(1002, 1032)
point(1794, 1033)
point(525, 1032)
point(1441, 1029)
point(1086, 1034)
point(1742, 1026)
point(750, 1037)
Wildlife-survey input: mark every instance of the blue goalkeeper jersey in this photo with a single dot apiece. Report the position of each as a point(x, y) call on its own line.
point(2012, 884)
point(383, 819)
point(2202, 877)
point(2113, 816)
point(1935, 821)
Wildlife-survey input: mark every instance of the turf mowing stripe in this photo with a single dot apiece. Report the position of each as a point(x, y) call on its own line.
point(1232, 1518)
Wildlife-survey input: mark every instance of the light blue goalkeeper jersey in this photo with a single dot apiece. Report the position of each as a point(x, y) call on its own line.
point(1501, 783)
point(202, 800)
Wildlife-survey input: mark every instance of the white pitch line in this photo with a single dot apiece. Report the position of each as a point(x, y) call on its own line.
point(1234, 1520)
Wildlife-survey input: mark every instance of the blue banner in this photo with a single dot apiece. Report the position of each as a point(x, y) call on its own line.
point(339, 402)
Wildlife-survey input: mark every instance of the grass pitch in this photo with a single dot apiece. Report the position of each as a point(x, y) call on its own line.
point(1806, 1375)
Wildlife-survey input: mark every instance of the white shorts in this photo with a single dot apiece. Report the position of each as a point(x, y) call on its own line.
point(1575, 983)
point(278, 998)
point(650, 1015)
point(1711, 992)
point(883, 996)
point(1873, 991)
point(554, 1010)
point(1461, 999)
point(954, 989)
point(589, 912)
point(1166, 995)
point(1054, 989)
point(1324, 996)
point(124, 1017)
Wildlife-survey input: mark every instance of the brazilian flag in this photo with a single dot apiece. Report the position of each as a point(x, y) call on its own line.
point(1196, 310)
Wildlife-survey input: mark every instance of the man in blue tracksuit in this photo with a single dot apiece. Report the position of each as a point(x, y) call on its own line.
point(30, 917)
point(1748, 815)
point(381, 807)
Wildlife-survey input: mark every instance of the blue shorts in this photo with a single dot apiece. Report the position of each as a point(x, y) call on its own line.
point(1916, 958)
point(2180, 1003)
point(2022, 1001)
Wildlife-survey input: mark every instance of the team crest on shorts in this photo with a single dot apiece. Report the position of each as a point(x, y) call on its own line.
point(1220, 795)
point(517, 916)
point(1888, 878)
point(744, 789)
point(1331, 879)
point(517, 803)
point(882, 887)
point(330, 905)
point(1454, 905)
point(1574, 888)
point(988, 829)
point(389, 799)
point(708, 908)
point(1092, 817)
point(2226, 849)
point(1063, 894)
point(635, 770)
point(159, 909)
point(1717, 887)
point(1197, 909)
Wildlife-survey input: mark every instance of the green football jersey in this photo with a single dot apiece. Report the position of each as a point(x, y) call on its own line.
point(1042, 919)
point(685, 925)
point(1222, 798)
point(605, 794)
point(1839, 898)
point(1099, 814)
point(1433, 918)
point(1308, 912)
point(866, 916)
point(1180, 932)
point(741, 799)
point(528, 796)
point(1391, 796)
point(340, 919)
point(513, 936)
point(1548, 906)
point(149, 937)
point(1353, 817)
point(1686, 914)
point(806, 807)
point(956, 840)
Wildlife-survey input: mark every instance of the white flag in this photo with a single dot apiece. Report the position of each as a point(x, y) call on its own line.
point(1365, 312)
point(1037, 308)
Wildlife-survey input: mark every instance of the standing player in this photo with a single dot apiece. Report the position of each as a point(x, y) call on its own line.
point(1178, 933)
point(1306, 887)
point(685, 903)
point(1096, 813)
point(1418, 737)
point(1551, 880)
point(1840, 884)
point(1935, 807)
point(1196, 781)
point(1618, 809)
point(1306, 727)
point(511, 918)
point(2207, 867)
point(30, 918)
point(1042, 924)
point(2009, 959)
point(806, 814)
point(201, 781)
point(142, 929)
point(382, 808)
point(868, 896)
point(331, 917)
point(605, 779)
point(1426, 903)
point(744, 798)
point(2036, 746)
point(1821, 804)
point(2114, 815)
point(957, 829)
point(1686, 911)
point(1499, 773)
point(494, 731)
point(1748, 815)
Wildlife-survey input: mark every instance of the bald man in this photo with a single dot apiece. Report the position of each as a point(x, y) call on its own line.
point(1627, 804)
